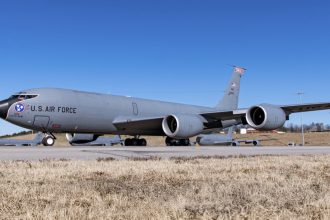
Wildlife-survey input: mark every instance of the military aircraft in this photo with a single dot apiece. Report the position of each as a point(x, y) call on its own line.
point(52, 110)
point(11, 142)
point(223, 140)
point(217, 139)
point(82, 140)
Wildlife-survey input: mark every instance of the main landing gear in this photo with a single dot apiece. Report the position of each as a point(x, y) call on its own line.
point(135, 142)
point(169, 142)
point(177, 142)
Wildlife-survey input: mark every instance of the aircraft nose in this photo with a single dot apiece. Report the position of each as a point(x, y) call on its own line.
point(4, 107)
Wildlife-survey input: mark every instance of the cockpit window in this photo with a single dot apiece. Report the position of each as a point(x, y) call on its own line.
point(14, 96)
point(23, 96)
point(30, 96)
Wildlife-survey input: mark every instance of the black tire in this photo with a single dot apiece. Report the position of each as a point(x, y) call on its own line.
point(169, 141)
point(128, 142)
point(48, 141)
point(135, 142)
point(184, 142)
point(234, 144)
point(143, 142)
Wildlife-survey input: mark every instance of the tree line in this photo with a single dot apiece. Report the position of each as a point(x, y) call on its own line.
point(313, 127)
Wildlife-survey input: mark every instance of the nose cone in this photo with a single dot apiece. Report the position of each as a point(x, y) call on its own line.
point(4, 106)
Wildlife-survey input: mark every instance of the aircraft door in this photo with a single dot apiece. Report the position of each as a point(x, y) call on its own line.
point(41, 122)
point(135, 108)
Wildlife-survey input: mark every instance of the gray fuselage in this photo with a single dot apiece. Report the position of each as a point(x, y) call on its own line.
point(61, 110)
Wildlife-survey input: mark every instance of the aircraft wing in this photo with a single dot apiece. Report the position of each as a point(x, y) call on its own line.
point(154, 125)
point(7, 142)
point(12, 142)
point(305, 107)
point(289, 109)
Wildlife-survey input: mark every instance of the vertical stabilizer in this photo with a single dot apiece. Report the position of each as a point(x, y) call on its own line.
point(231, 96)
point(230, 132)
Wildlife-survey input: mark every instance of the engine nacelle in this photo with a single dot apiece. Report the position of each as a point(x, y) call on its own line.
point(266, 117)
point(80, 138)
point(183, 126)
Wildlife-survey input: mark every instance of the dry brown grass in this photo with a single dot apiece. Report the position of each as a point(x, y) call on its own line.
point(231, 188)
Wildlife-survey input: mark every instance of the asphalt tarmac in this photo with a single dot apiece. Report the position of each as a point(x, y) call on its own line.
point(93, 153)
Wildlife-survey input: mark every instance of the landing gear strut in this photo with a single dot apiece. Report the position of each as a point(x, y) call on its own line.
point(177, 142)
point(135, 142)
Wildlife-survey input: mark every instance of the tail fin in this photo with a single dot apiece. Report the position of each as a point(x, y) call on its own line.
point(230, 99)
point(116, 138)
point(230, 132)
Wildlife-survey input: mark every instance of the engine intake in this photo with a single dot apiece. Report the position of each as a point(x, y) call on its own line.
point(266, 117)
point(183, 126)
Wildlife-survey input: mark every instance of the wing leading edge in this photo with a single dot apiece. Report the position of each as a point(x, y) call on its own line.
point(289, 109)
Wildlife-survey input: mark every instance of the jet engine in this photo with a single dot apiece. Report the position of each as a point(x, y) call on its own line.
point(266, 117)
point(80, 138)
point(183, 126)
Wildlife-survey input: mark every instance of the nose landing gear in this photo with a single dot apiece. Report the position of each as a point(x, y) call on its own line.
point(48, 140)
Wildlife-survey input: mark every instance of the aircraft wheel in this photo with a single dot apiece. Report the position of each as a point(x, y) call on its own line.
point(168, 144)
point(233, 144)
point(48, 141)
point(185, 142)
point(135, 142)
point(128, 142)
point(143, 142)
point(168, 141)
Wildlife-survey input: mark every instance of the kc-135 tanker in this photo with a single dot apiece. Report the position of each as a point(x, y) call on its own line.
point(85, 116)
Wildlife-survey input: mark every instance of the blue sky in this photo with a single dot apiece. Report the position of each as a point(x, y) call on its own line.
point(169, 49)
